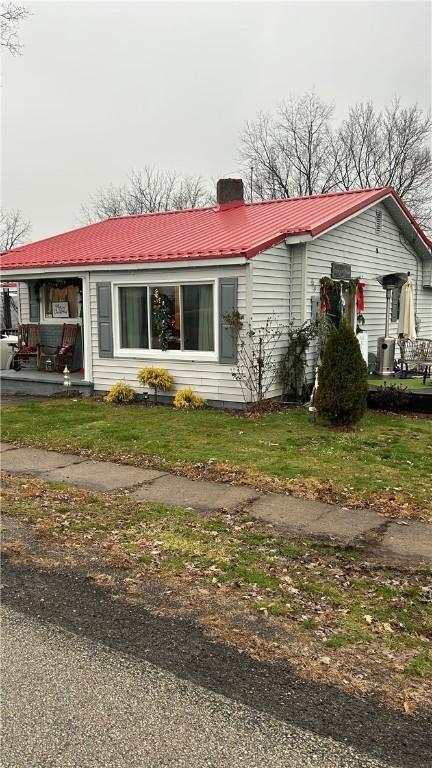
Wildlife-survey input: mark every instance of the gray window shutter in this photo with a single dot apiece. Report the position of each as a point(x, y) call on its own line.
point(395, 304)
point(104, 316)
point(34, 306)
point(228, 287)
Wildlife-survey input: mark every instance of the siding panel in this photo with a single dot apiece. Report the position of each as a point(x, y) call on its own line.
point(210, 379)
point(24, 304)
point(271, 282)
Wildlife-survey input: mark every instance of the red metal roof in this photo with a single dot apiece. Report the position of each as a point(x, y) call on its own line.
point(198, 233)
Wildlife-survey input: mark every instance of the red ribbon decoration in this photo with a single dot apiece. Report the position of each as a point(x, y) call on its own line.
point(325, 303)
point(360, 296)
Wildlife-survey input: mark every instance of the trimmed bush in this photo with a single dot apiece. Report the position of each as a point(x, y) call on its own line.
point(158, 379)
point(186, 398)
point(342, 379)
point(390, 397)
point(120, 393)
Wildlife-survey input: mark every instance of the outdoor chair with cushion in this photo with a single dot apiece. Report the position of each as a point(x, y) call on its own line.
point(415, 356)
point(28, 345)
point(62, 355)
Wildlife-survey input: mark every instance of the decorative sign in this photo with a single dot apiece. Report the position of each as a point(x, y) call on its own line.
point(340, 271)
point(60, 309)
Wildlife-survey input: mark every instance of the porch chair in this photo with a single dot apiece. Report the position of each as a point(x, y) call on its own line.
point(28, 345)
point(62, 355)
point(415, 356)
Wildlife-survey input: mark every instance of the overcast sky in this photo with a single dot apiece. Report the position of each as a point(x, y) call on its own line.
point(104, 87)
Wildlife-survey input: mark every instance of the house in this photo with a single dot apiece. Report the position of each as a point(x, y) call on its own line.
point(255, 258)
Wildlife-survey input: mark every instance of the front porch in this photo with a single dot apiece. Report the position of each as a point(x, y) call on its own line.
point(30, 381)
point(57, 308)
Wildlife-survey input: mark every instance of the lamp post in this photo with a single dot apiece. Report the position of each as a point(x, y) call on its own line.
point(66, 379)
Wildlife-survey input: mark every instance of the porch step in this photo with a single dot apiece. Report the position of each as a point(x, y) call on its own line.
point(34, 382)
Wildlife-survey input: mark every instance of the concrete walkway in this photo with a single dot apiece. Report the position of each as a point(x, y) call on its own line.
point(382, 536)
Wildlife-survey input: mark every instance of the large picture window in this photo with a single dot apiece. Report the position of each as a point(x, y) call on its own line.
point(167, 317)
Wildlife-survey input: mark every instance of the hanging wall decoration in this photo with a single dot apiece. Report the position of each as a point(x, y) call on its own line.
point(330, 288)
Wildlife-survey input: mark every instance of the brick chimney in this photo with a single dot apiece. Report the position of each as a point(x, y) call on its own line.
point(230, 192)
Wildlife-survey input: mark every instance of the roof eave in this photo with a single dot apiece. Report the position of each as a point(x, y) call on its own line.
point(18, 273)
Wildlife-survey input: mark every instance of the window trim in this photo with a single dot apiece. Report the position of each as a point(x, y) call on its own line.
point(170, 354)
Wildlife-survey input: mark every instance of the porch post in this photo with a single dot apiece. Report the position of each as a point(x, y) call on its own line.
point(86, 329)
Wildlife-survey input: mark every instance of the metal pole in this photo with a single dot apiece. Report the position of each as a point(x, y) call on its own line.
point(388, 309)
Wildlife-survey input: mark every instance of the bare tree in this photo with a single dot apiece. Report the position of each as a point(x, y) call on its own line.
point(257, 365)
point(11, 14)
point(14, 230)
point(148, 191)
point(298, 151)
point(389, 148)
point(289, 154)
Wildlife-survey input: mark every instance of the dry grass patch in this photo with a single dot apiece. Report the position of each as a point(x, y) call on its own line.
point(332, 615)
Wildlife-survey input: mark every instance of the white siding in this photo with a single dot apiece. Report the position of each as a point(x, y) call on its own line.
point(209, 379)
point(23, 302)
point(370, 255)
point(424, 311)
point(298, 281)
point(271, 292)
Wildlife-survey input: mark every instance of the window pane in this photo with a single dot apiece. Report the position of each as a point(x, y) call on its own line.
point(198, 321)
point(133, 318)
point(165, 317)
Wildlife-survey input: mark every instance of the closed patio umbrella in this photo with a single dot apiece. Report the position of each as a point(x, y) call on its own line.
point(406, 324)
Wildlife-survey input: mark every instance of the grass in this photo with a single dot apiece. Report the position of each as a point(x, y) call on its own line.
point(420, 666)
point(333, 618)
point(415, 383)
point(324, 590)
point(385, 463)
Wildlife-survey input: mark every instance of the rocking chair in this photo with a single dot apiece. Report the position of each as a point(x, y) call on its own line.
point(28, 345)
point(62, 355)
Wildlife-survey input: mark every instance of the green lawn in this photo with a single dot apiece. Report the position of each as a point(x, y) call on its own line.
point(386, 462)
point(416, 383)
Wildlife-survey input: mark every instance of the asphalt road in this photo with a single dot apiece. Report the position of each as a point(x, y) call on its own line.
point(72, 702)
point(72, 696)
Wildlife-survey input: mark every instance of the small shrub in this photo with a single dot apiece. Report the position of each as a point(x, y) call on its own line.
point(342, 379)
point(392, 397)
point(120, 394)
point(187, 398)
point(158, 379)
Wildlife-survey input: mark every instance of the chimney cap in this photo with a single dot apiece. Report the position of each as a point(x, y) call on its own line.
point(230, 192)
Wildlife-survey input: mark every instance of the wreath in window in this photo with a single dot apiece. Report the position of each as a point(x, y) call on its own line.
point(163, 319)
